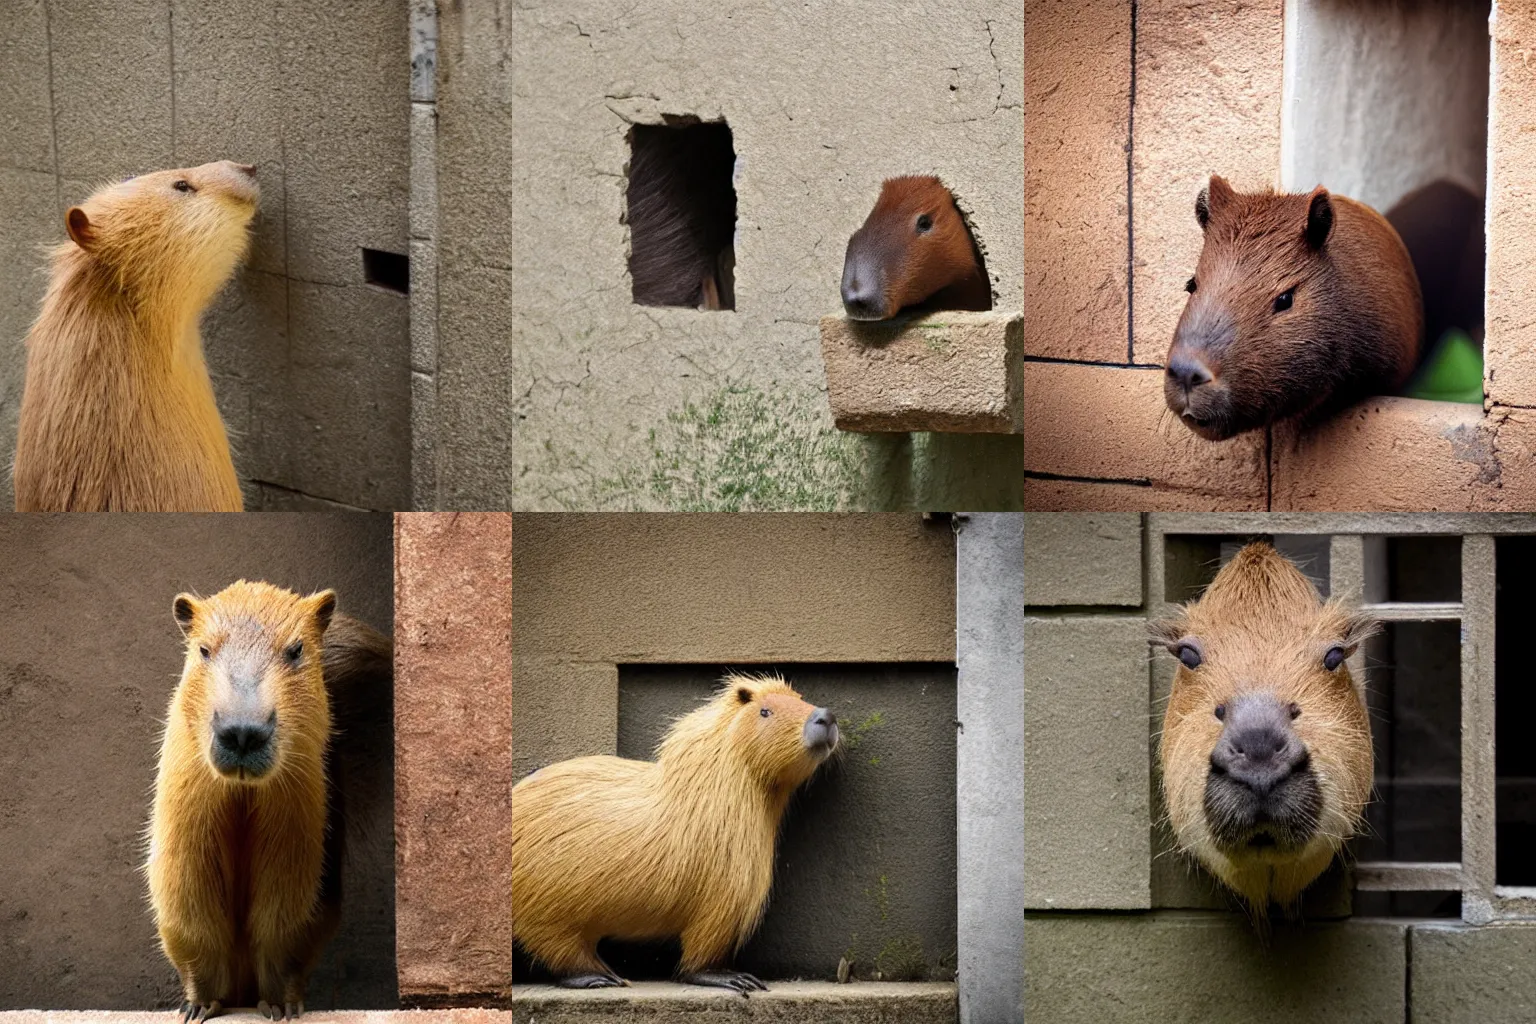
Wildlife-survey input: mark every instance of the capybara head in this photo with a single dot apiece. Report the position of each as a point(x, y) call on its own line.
point(1266, 747)
point(914, 248)
point(185, 229)
point(1297, 299)
point(759, 723)
point(252, 684)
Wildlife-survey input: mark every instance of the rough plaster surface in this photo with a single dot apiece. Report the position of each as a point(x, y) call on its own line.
point(1383, 98)
point(1077, 103)
point(1082, 559)
point(1046, 495)
point(89, 655)
point(1086, 779)
point(946, 371)
point(309, 364)
point(585, 400)
point(453, 731)
point(1175, 966)
point(801, 1002)
point(1510, 307)
point(1462, 975)
point(865, 867)
point(463, 1016)
point(1110, 423)
point(1208, 87)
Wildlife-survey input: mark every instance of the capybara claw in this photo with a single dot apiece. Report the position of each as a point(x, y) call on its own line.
point(591, 981)
point(736, 981)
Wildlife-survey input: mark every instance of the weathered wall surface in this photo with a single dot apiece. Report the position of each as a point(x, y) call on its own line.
point(310, 365)
point(585, 400)
point(89, 655)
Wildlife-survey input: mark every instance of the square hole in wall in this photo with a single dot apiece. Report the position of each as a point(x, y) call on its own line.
point(388, 270)
point(1514, 710)
point(1388, 104)
point(681, 212)
point(1423, 569)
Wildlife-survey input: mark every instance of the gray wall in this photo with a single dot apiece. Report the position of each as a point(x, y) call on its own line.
point(308, 362)
point(89, 655)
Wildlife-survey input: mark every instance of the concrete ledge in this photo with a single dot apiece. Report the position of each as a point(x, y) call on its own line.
point(793, 1001)
point(467, 1016)
point(951, 371)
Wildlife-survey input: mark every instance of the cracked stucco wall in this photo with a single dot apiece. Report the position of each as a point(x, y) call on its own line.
point(576, 397)
point(309, 363)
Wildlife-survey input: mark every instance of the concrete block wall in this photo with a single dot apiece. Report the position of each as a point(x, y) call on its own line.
point(309, 363)
point(1132, 107)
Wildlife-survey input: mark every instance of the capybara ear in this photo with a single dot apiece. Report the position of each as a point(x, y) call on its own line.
point(744, 694)
point(1359, 628)
point(81, 231)
point(1166, 633)
point(1212, 198)
point(1319, 217)
point(1203, 208)
point(322, 605)
point(185, 610)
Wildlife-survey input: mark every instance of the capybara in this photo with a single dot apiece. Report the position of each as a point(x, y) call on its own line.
point(1300, 305)
point(247, 830)
point(682, 216)
point(1266, 747)
point(680, 847)
point(117, 410)
point(913, 252)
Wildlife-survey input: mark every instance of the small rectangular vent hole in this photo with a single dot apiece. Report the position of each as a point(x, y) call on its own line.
point(390, 270)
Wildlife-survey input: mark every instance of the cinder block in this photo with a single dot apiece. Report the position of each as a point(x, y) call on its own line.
point(564, 709)
point(1045, 495)
point(1110, 423)
point(423, 449)
point(423, 305)
point(26, 130)
point(1078, 559)
point(453, 754)
point(245, 339)
point(423, 219)
point(1172, 966)
point(1466, 975)
point(948, 371)
point(797, 1002)
point(1086, 770)
point(1404, 454)
point(1510, 306)
point(1208, 88)
point(1077, 103)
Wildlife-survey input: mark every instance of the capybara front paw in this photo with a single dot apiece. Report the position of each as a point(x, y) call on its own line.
point(288, 1010)
point(591, 981)
point(196, 1013)
point(736, 981)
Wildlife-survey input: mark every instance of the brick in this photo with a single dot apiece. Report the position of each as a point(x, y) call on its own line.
point(1207, 101)
point(950, 371)
point(26, 126)
point(1403, 454)
point(1463, 975)
point(1077, 559)
point(453, 754)
point(1045, 495)
point(1510, 306)
point(1110, 423)
point(1086, 776)
point(1174, 966)
point(800, 1002)
point(1077, 103)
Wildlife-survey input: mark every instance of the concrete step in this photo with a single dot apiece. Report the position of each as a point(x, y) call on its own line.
point(798, 1002)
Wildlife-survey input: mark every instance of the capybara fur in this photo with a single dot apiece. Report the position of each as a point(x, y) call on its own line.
point(914, 252)
point(117, 409)
point(1300, 305)
point(247, 831)
point(682, 216)
point(677, 848)
point(1266, 747)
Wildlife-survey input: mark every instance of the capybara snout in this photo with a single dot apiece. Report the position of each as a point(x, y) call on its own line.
point(1261, 790)
point(243, 745)
point(820, 733)
point(914, 250)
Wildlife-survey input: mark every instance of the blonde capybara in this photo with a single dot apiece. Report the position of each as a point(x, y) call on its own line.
point(1300, 304)
point(1266, 747)
point(676, 848)
point(246, 832)
point(117, 409)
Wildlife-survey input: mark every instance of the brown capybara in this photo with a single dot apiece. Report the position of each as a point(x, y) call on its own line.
point(246, 834)
point(117, 409)
point(914, 252)
point(1266, 747)
point(1300, 305)
point(682, 216)
point(680, 847)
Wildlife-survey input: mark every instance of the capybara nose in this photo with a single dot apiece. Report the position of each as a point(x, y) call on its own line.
point(820, 732)
point(1188, 371)
point(861, 291)
point(243, 743)
point(822, 716)
point(1258, 748)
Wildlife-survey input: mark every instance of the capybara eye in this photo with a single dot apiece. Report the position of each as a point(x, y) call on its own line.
point(1295, 710)
point(765, 712)
point(1189, 656)
point(924, 222)
point(1334, 658)
point(183, 186)
point(1221, 712)
point(1189, 286)
point(293, 650)
point(203, 651)
point(1283, 300)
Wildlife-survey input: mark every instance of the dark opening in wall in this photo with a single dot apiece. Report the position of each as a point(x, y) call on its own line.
point(682, 214)
point(387, 270)
point(1514, 710)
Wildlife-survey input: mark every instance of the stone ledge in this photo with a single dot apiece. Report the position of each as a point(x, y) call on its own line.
point(464, 1016)
point(950, 371)
point(789, 1002)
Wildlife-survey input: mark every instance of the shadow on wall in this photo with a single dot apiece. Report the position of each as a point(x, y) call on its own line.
point(89, 655)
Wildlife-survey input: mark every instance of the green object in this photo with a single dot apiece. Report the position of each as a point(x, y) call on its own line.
point(1453, 372)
